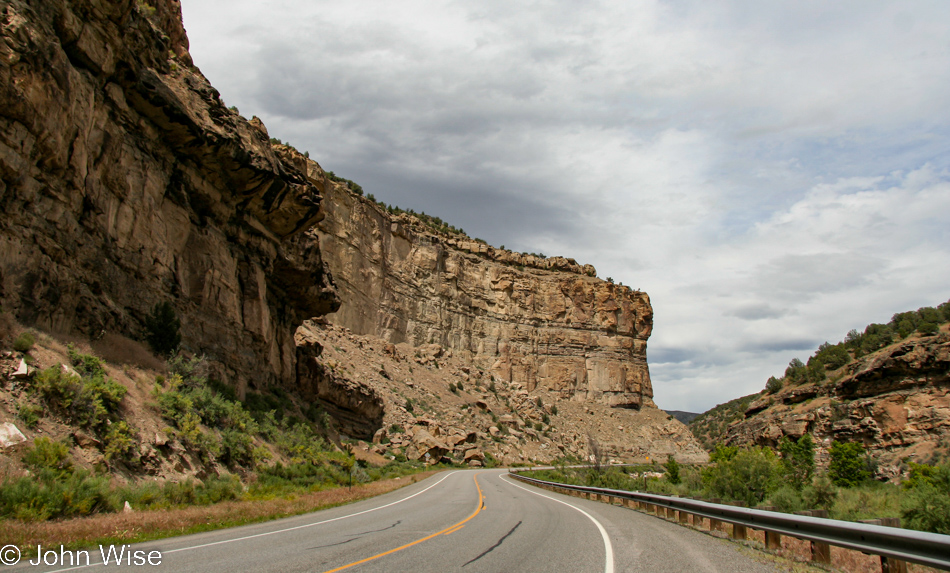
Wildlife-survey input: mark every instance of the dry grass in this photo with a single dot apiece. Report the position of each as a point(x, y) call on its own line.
point(146, 525)
point(116, 349)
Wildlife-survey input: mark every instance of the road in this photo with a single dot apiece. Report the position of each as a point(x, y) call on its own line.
point(470, 521)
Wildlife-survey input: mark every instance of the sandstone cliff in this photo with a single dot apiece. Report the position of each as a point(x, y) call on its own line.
point(541, 354)
point(895, 401)
point(542, 323)
point(126, 181)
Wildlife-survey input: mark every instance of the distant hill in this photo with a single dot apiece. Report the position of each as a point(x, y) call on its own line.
point(685, 417)
point(884, 388)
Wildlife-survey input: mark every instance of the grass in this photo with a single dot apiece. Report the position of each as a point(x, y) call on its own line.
point(139, 526)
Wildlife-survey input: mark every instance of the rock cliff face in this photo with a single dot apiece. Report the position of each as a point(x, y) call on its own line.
point(895, 401)
point(541, 323)
point(126, 181)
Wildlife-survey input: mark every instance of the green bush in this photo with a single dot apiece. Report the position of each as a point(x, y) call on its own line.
point(55, 489)
point(748, 476)
point(926, 504)
point(29, 414)
point(820, 494)
point(162, 329)
point(773, 385)
point(119, 442)
point(848, 466)
point(786, 499)
point(89, 402)
point(798, 460)
point(672, 470)
point(75, 494)
point(47, 455)
point(24, 342)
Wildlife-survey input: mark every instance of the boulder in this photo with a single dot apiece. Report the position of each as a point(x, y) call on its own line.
point(10, 435)
point(474, 454)
point(22, 371)
point(425, 443)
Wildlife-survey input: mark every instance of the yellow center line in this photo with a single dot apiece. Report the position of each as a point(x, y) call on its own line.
point(454, 530)
point(446, 531)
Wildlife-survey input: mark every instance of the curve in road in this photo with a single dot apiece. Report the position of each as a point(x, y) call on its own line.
point(432, 526)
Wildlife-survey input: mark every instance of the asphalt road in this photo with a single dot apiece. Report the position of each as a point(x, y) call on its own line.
point(470, 521)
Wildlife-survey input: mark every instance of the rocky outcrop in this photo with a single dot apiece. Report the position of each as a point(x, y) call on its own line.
point(895, 401)
point(544, 323)
point(434, 400)
point(126, 181)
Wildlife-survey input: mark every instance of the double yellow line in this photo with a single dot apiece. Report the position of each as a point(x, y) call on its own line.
point(447, 531)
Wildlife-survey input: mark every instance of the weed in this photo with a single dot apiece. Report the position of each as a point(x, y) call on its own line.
point(24, 343)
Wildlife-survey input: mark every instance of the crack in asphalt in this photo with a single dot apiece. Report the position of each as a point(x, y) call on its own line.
point(492, 548)
point(356, 536)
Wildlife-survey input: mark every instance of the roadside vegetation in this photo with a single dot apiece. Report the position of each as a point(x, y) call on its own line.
point(263, 448)
point(785, 480)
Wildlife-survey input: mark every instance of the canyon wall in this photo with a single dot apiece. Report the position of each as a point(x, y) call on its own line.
point(126, 181)
point(544, 323)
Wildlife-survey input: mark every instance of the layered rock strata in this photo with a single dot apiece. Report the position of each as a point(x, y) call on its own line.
point(544, 323)
point(895, 401)
point(126, 181)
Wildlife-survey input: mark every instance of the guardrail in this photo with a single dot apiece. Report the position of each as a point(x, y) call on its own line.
point(894, 545)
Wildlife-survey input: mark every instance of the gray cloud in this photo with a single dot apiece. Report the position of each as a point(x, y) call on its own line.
point(771, 174)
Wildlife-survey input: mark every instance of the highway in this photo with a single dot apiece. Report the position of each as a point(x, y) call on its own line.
point(470, 521)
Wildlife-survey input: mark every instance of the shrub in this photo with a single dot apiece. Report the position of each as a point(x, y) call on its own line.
point(29, 414)
point(786, 499)
point(926, 506)
point(119, 442)
point(798, 460)
point(38, 500)
point(749, 475)
point(47, 455)
point(773, 385)
point(672, 470)
point(163, 329)
point(848, 467)
point(820, 494)
point(927, 328)
point(24, 343)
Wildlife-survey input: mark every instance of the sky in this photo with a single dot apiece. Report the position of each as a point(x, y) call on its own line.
point(772, 174)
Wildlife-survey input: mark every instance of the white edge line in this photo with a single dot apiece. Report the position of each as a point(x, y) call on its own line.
point(279, 530)
point(608, 547)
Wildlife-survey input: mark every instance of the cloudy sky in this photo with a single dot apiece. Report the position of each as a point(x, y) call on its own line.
point(773, 174)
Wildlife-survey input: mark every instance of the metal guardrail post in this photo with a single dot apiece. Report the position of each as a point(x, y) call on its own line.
point(739, 531)
point(820, 552)
point(889, 565)
point(715, 524)
point(772, 540)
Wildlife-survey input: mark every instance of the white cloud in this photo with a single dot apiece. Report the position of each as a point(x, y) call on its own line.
point(772, 174)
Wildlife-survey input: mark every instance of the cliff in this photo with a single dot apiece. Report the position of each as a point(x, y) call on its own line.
point(895, 401)
point(544, 323)
point(469, 351)
point(126, 181)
